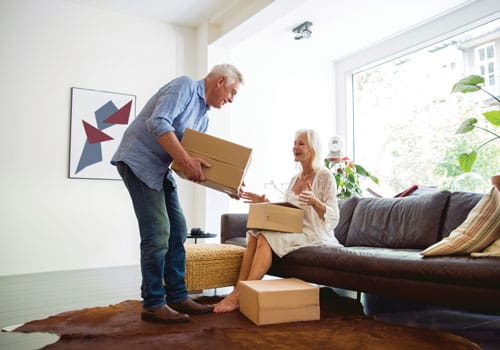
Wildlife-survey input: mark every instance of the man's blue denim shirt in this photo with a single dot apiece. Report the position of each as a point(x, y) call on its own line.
point(176, 106)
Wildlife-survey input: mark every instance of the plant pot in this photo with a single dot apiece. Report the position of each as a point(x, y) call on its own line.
point(495, 181)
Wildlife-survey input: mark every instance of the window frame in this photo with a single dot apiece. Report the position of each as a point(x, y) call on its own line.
point(431, 32)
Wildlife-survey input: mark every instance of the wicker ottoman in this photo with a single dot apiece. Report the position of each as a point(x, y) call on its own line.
point(212, 265)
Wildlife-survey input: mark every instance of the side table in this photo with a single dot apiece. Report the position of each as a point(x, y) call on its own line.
point(202, 235)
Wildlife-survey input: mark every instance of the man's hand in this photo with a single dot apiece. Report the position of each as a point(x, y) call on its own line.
point(240, 191)
point(192, 167)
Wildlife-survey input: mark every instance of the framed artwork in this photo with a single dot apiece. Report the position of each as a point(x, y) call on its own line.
point(98, 121)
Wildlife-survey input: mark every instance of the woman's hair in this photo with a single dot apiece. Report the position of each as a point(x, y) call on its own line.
point(314, 142)
point(227, 70)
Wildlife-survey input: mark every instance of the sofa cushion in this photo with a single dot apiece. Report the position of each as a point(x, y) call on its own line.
point(459, 206)
point(394, 264)
point(479, 230)
point(346, 209)
point(408, 223)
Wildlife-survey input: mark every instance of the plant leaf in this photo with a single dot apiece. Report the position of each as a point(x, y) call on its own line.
point(467, 125)
point(467, 160)
point(468, 84)
point(361, 171)
point(493, 117)
point(374, 179)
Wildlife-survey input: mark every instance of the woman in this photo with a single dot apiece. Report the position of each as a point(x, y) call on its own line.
point(313, 189)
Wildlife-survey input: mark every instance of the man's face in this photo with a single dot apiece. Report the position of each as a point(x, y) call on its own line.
point(222, 93)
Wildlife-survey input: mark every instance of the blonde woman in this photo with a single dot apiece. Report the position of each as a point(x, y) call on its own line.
point(314, 189)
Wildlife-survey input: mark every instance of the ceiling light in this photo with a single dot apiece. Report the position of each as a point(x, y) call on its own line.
point(303, 31)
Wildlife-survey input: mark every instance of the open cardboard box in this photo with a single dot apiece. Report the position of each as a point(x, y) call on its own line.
point(275, 216)
point(229, 161)
point(279, 301)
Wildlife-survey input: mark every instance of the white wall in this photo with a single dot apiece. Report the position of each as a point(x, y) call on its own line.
point(283, 92)
point(48, 221)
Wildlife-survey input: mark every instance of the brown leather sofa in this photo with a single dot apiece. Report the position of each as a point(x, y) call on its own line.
point(382, 238)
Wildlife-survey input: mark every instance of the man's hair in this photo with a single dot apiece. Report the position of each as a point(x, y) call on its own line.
point(314, 142)
point(226, 70)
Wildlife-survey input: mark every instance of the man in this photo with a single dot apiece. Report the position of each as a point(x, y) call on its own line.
point(146, 151)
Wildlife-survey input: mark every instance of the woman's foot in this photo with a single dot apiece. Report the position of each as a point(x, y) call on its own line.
point(228, 304)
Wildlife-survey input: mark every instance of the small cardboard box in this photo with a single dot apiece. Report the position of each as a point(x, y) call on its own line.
point(229, 161)
point(279, 301)
point(283, 217)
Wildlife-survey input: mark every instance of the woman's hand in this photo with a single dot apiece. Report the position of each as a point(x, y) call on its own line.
point(307, 197)
point(250, 197)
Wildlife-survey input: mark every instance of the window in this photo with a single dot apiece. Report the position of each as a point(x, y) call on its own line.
point(485, 57)
point(404, 118)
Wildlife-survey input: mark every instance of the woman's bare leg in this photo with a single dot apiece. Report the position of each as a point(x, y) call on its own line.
point(262, 259)
point(248, 256)
point(254, 266)
point(230, 302)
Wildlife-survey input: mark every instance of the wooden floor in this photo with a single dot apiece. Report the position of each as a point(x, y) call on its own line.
point(35, 296)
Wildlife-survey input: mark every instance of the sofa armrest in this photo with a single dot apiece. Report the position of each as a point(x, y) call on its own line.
point(233, 228)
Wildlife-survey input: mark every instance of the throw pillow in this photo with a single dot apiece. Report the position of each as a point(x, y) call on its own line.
point(479, 230)
point(492, 250)
point(459, 206)
point(407, 223)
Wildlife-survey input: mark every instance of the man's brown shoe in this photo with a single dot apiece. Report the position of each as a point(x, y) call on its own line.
point(163, 314)
point(191, 307)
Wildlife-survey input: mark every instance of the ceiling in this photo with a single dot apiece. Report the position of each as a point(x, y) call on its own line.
point(181, 12)
point(339, 26)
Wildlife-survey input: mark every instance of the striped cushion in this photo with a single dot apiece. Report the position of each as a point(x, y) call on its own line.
point(479, 230)
point(491, 250)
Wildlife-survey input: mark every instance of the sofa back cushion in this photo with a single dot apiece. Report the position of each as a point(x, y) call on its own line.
point(409, 223)
point(346, 209)
point(459, 206)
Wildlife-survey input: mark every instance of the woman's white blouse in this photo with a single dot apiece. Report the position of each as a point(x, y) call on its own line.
point(316, 231)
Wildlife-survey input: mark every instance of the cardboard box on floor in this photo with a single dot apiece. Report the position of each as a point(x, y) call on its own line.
point(279, 301)
point(229, 161)
point(282, 217)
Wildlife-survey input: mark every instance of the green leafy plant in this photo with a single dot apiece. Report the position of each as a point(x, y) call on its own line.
point(347, 175)
point(472, 84)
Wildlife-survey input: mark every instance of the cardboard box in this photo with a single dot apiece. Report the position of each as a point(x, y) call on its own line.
point(283, 217)
point(229, 161)
point(279, 301)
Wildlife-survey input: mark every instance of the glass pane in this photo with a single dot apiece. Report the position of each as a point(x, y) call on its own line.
point(491, 67)
point(481, 54)
point(405, 118)
point(490, 51)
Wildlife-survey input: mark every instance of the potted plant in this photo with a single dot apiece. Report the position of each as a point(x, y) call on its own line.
point(473, 83)
point(347, 175)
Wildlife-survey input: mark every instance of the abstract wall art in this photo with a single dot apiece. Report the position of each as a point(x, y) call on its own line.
point(98, 121)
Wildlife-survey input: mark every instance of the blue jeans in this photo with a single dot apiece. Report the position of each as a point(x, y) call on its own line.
point(163, 232)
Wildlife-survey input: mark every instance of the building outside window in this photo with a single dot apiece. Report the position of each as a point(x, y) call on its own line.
point(485, 57)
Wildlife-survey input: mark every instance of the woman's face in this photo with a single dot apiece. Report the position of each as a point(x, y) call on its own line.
point(302, 152)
